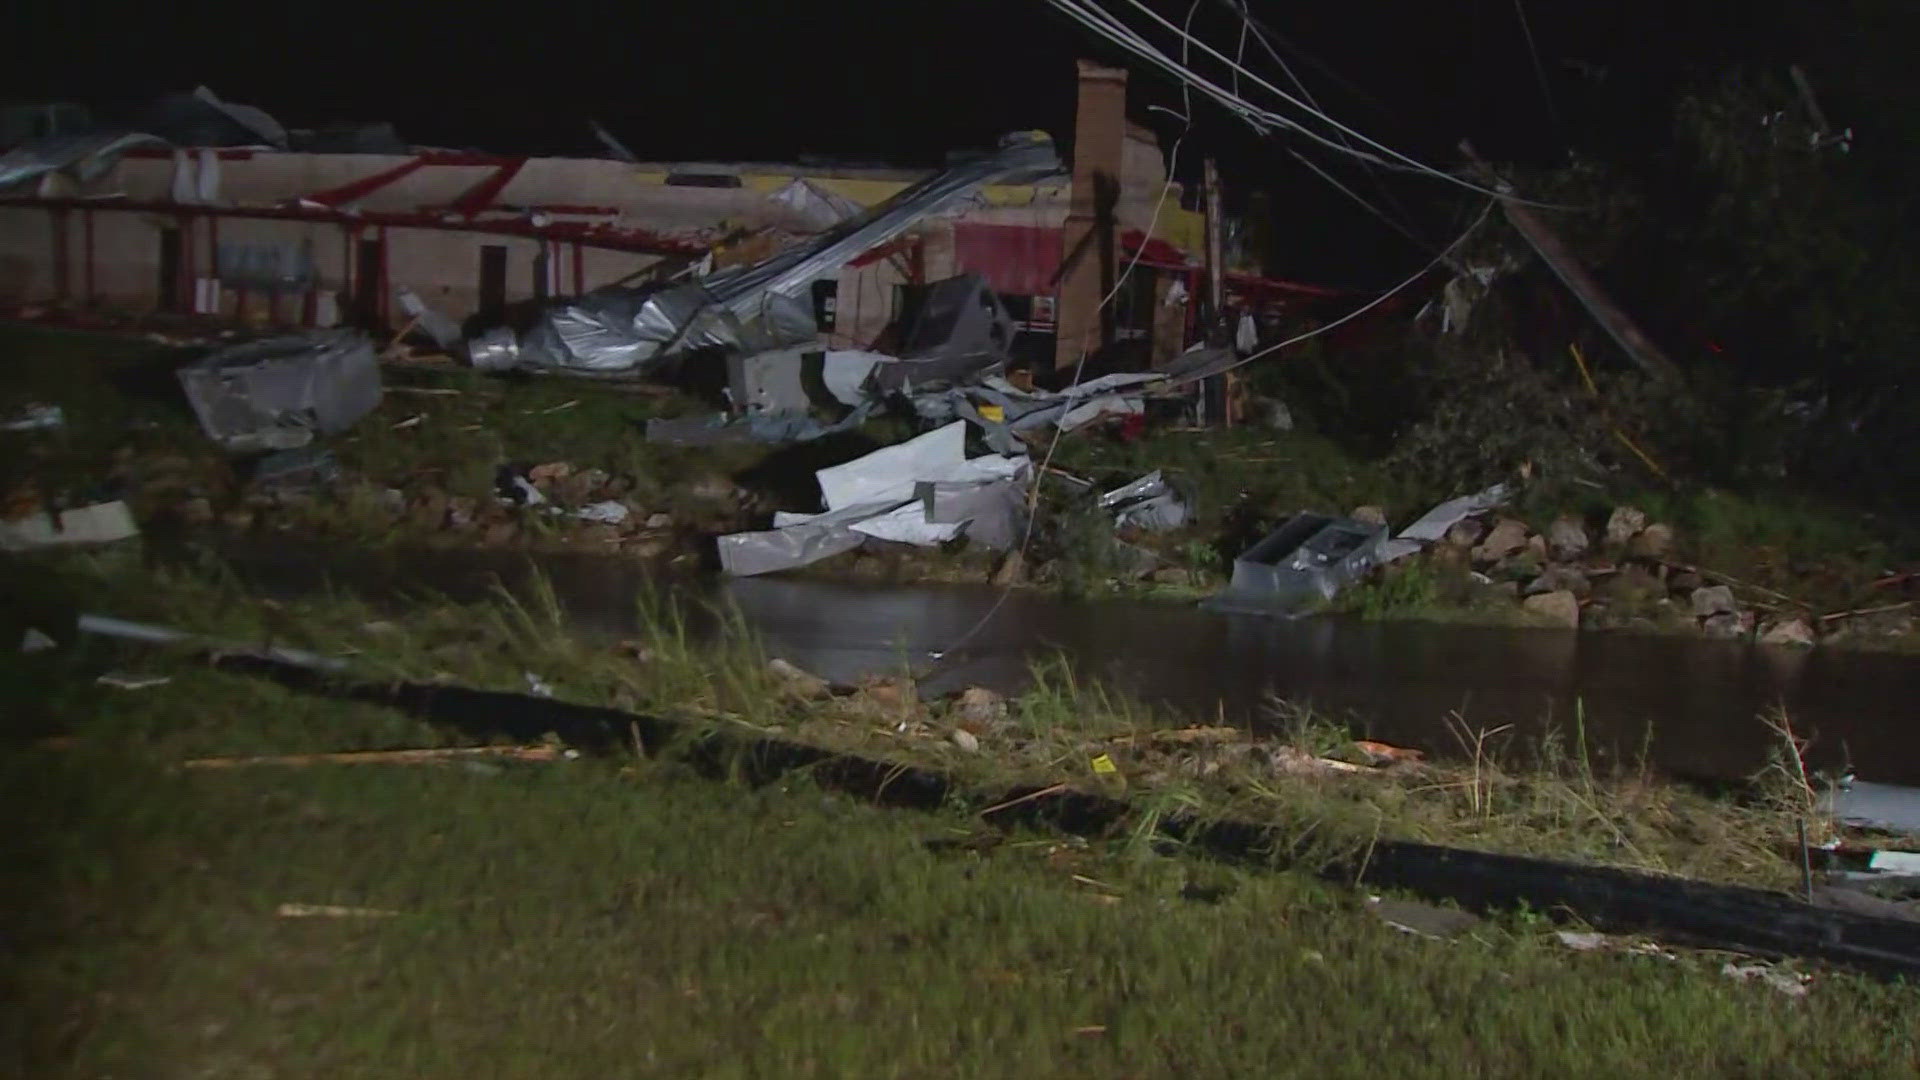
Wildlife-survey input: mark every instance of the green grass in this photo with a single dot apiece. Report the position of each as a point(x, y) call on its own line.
point(1549, 801)
point(613, 919)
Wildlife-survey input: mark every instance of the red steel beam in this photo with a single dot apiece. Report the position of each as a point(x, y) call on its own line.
point(366, 185)
point(481, 195)
point(591, 234)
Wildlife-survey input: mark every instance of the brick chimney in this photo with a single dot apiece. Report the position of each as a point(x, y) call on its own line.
point(1099, 141)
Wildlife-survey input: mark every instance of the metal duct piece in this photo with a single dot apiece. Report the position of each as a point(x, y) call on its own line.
point(277, 393)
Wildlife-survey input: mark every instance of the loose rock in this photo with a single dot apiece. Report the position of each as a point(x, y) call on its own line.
point(1567, 538)
point(1506, 538)
point(1369, 515)
point(797, 682)
point(896, 696)
point(1624, 523)
point(981, 707)
point(660, 521)
point(1559, 578)
point(1654, 542)
point(1465, 534)
point(1712, 600)
point(714, 489)
point(1728, 625)
point(1559, 608)
point(1633, 585)
point(965, 740)
point(1793, 632)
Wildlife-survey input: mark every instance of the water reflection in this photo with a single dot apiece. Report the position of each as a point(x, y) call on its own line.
point(1692, 705)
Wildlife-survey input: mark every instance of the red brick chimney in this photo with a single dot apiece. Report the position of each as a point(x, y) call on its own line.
point(1099, 139)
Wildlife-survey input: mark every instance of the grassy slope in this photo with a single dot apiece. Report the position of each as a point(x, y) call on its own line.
point(577, 920)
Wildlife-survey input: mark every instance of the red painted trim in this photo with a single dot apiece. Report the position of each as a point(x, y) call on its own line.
point(1256, 284)
point(884, 251)
point(359, 189)
point(481, 195)
point(599, 235)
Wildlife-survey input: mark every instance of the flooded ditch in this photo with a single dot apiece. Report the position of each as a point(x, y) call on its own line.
point(1691, 706)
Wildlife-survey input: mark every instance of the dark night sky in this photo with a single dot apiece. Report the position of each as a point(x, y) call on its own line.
point(898, 82)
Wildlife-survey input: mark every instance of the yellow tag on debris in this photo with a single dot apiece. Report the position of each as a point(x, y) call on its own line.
point(995, 413)
point(1104, 765)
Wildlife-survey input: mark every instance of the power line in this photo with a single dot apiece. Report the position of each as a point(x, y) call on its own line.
point(1369, 305)
point(1134, 41)
point(1033, 499)
point(1553, 112)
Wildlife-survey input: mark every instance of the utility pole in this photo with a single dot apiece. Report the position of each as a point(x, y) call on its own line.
point(1217, 395)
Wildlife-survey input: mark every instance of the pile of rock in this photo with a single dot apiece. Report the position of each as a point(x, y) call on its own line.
point(1628, 579)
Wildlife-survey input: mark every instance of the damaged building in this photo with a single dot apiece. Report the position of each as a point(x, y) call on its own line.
point(258, 231)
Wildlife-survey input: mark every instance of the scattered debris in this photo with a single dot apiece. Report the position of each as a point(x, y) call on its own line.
point(87, 155)
point(331, 911)
point(120, 680)
point(877, 496)
point(1422, 920)
point(386, 757)
point(719, 428)
point(1868, 805)
point(745, 309)
point(1307, 560)
point(278, 393)
point(303, 466)
point(101, 523)
point(606, 512)
point(34, 641)
point(1379, 753)
point(1149, 503)
point(1581, 940)
point(1293, 761)
point(1790, 983)
point(36, 417)
point(444, 331)
point(1440, 522)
